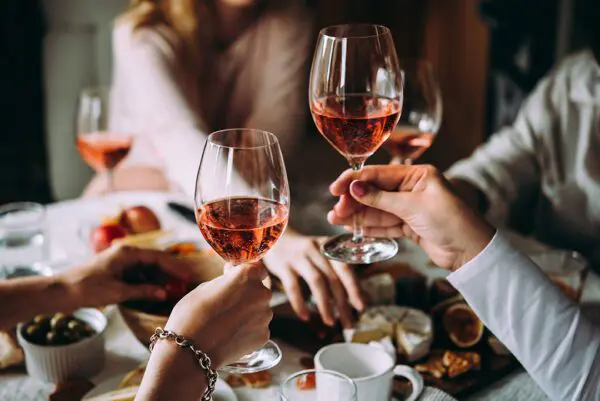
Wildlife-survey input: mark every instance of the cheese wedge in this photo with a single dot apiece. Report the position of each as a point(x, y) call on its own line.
point(411, 329)
point(379, 289)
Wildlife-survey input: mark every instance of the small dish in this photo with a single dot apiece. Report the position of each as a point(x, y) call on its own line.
point(57, 363)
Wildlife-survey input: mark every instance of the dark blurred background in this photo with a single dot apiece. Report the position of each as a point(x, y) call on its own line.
point(488, 55)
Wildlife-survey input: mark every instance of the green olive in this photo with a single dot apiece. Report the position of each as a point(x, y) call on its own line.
point(74, 325)
point(41, 319)
point(52, 338)
point(58, 320)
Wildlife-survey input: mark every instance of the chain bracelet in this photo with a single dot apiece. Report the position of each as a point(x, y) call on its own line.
point(202, 359)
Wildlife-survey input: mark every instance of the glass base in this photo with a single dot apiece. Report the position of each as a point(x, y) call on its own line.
point(266, 357)
point(369, 250)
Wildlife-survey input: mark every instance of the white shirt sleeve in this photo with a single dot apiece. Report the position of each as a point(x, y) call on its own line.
point(545, 330)
point(506, 168)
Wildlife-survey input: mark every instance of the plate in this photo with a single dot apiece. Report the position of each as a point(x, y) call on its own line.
point(223, 391)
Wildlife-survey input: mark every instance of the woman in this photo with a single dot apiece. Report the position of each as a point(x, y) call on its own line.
point(225, 318)
point(545, 330)
point(184, 68)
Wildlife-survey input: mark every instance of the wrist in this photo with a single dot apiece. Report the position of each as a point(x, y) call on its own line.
point(475, 236)
point(175, 374)
point(194, 330)
point(71, 294)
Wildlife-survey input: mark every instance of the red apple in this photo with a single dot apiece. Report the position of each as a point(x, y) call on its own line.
point(104, 235)
point(139, 219)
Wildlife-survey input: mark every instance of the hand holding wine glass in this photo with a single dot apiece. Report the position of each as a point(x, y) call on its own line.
point(421, 113)
point(101, 148)
point(355, 96)
point(243, 215)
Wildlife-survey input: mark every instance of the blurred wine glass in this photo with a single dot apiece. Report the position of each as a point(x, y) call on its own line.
point(355, 96)
point(242, 215)
point(421, 113)
point(100, 147)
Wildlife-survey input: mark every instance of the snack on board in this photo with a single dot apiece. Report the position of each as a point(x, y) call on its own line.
point(450, 364)
point(126, 394)
point(252, 380)
point(72, 390)
point(433, 366)
point(10, 352)
point(410, 329)
point(133, 378)
point(458, 363)
point(462, 325)
point(306, 382)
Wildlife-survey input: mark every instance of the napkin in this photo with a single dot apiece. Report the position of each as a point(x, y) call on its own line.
point(435, 394)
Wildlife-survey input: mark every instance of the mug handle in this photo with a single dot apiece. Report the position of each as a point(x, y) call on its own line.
point(415, 379)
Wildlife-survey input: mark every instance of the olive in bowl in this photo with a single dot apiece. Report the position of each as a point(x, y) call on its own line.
point(57, 329)
point(61, 346)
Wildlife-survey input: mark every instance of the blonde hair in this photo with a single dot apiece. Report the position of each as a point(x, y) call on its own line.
point(181, 16)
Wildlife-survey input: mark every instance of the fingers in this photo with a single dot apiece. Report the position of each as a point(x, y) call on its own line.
point(335, 285)
point(350, 283)
point(388, 178)
point(318, 287)
point(347, 206)
point(143, 291)
point(385, 177)
point(129, 256)
point(250, 271)
point(293, 289)
point(382, 232)
point(367, 194)
point(371, 217)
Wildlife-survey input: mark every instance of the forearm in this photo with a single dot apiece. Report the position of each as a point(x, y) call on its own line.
point(172, 374)
point(537, 323)
point(22, 299)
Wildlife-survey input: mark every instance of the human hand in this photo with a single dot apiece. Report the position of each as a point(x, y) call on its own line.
point(100, 282)
point(296, 257)
point(414, 202)
point(227, 317)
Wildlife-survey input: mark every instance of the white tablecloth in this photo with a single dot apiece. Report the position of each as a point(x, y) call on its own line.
point(69, 221)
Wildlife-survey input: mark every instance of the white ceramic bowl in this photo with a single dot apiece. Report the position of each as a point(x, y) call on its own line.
point(57, 363)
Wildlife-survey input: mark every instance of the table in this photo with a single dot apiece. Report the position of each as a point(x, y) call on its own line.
point(68, 223)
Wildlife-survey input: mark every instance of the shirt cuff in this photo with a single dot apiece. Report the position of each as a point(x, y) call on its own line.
point(495, 250)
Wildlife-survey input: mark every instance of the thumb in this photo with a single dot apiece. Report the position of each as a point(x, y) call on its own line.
point(256, 271)
point(391, 202)
point(144, 291)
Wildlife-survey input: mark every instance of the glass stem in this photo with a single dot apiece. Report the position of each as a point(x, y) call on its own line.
point(357, 220)
point(110, 181)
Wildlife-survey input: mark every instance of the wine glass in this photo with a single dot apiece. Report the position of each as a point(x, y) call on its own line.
point(325, 385)
point(421, 113)
point(100, 147)
point(242, 207)
point(355, 95)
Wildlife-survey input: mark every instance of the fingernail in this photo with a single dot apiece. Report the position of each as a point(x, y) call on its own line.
point(359, 188)
point(160, 294)
point(305, 317)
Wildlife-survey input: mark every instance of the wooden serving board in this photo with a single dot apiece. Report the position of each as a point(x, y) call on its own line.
point(312, 335)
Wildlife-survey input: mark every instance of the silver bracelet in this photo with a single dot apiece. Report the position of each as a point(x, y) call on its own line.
point(201, 357)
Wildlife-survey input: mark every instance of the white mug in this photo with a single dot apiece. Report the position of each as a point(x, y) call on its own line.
point(371, 368)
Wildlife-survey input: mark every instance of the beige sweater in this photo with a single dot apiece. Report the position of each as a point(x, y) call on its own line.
point(257, 82)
